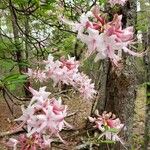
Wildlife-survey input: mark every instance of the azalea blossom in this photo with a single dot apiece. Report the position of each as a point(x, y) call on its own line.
point(44, 115)
point(106, 39)
point(38, 75)
point(65, 71)
point(27, 114)
point(12, 143)
point(84, 85)
point(120, 2)
point(90, 39)
point(70, 63)
point(108, 124)
point(84, 21)
point(34, 142)
point(39, 96)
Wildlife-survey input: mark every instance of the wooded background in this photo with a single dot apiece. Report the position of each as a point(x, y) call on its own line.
point(31, 29)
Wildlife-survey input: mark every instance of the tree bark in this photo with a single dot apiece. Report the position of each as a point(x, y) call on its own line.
point(147, 119)
point(118, 88)
point(146, 43)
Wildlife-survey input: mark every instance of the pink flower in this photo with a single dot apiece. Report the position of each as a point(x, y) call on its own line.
point(84, 85)
point(107, 48)
point(39, 96)
point(36, 141)
point(66, 71)
point(105, 122)
point(12, 143)
point(123, 37)
point(48, 120)
point(70, 63)
point(114, 39)
point(107, 39)
point(115, 28)
point(120, 2)
point(90, 39)
point(98, 25)
point(38, 75)
point(84, 21)
point(57, 105)
point(27, 114)
point(44, 115)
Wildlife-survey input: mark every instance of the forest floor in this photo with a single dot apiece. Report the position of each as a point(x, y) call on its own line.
point(78, 121)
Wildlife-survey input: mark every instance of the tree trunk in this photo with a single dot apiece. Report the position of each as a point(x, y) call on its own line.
point(146, 43)
point(18, 46)
point(147, 119)
point(118, 88)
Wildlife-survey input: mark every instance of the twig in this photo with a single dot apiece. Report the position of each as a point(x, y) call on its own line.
point(7, 102)
point(10, 97)
point(18, 98)
point(72, 114)
point(18, 129)
point(78, 133)
point(61, 92)
point(60, 147)
point(108, 147)
point(2, 134)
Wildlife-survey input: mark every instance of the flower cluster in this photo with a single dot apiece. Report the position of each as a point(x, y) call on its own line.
point(120, 2)
point(107, 39)
point(65, 71)
point(39, 75)
point(36, 141)
point(42, 119)
point(108, 124)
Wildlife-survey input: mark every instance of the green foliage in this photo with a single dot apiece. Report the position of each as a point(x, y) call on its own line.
point(102, 1)
point(143, 16)
point(13, 80)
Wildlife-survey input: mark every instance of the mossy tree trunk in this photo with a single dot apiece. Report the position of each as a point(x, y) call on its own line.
point(118, 87)
point(147, 64)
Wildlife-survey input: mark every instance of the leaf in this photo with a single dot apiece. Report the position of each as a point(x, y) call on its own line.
point(108, 142)
point(148, 94)
point(102, 1)
point(14, 79)
point(112, 130)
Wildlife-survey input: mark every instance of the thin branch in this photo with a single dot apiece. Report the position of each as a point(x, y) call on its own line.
point(4, 96)
point(18, 98)
point(2, 134)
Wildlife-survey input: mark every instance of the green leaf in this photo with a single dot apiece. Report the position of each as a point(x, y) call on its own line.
point(14, 79)
point(112, 130)
point(108, 142)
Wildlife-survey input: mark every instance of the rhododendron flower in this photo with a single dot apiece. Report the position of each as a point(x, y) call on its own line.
point(108, 48)
point(90, 40)
point(84, 85)
point(12, 143)
point(44, 115)
point(34, 142)
point(84, 21)
point(71, 64)
point(38, 75)
point(65, 71)
point(107, 39)
point(115, 28)
point(123, 37)
point(39, 96)
point(120, 2)
point(27, 114)
point(108, 124)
